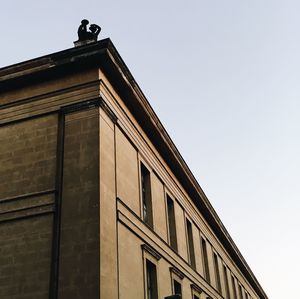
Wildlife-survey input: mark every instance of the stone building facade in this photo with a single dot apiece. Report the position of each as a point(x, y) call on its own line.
point(95, 199)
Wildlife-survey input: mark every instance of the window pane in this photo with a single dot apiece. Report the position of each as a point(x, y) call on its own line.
point(205, 260)
point(226, 282)
point(151, 281)
point(191, 243)
point(240, 291)
point(233, 287)
point(216, 264)
point(177, 287)
point(171, 223)
point(146, 196)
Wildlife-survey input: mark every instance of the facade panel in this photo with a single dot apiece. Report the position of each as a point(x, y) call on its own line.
point(79, 232)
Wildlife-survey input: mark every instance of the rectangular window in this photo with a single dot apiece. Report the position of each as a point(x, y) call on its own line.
point(146, 196)
point(191, 243)
point(171, 223)
point(233, 287)
point(226, 282)
point(177, 287)
point(205, 260)
point(218, 280)
point(240, 292)
point(151, 280)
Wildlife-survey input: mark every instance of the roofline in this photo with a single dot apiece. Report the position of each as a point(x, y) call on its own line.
point(104, 54)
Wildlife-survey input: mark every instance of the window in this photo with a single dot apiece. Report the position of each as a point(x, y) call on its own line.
point(151, 280)
point(177, 287)
point(240, 292)
point(205, 260)
point(146, 196)
point(171, 223)
point(196, 291)
point(176, 280)
point(233, 287)
point(190, 243)
point(216, 264)
point(226, 282)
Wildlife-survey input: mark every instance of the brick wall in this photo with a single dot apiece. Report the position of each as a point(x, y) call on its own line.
point(29, 190)
point(27, 182)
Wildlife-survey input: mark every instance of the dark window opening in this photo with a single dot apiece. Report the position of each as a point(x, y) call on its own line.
point(146, 196)
point(233, 287)
point(205, 260)
point(240, 291)
point(218, 280)
point(191, 244)
point(151, 281)
point(226, 282)
point(177, 288)
point(171, 223)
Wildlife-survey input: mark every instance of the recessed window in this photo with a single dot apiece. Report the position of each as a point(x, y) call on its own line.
point(196, 291)
point(177, 287)
point(217, 271)
point(151, 280)
point(205, 260)
point(176, 279)
point(171, 223)
point(190, 243)
point(226, 282)
point(146, 196)
point(233, 287)
point(240, 292)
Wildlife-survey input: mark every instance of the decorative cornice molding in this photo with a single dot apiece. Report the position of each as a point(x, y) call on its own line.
point(196, 288)
point(84, 105)
point(177, 272)
point(90, 104)
point(151, 251)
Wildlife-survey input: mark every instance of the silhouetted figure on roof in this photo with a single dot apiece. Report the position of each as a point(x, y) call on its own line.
point(84, 35)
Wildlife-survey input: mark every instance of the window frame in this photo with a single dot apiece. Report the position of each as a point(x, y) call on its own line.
point(205, 261)
point(226, 282)
point(190, 242)
point(241, 291)
point(233, 284)
point(151, 288)
point(150, 255)
point(217, 271)
point(172, 241)
point(196, 291)
point(176, 276)
point(144, 168)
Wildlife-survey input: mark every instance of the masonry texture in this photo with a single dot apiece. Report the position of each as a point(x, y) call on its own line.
point(95, 199)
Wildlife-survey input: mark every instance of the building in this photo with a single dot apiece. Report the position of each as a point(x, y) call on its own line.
point(95, 199)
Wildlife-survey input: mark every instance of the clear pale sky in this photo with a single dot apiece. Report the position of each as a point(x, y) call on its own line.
point(223, 76)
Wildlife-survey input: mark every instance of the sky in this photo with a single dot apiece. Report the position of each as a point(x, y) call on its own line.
point(223, 77)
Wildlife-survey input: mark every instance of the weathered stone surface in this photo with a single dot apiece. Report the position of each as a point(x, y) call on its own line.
point(25, 258)
point(79, 247)
point(28, 156)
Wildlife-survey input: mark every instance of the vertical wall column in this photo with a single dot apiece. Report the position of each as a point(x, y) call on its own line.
point(78, 254)
point(108, 220)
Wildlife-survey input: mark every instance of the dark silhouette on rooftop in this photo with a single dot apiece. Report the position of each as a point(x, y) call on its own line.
point(85, 35)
